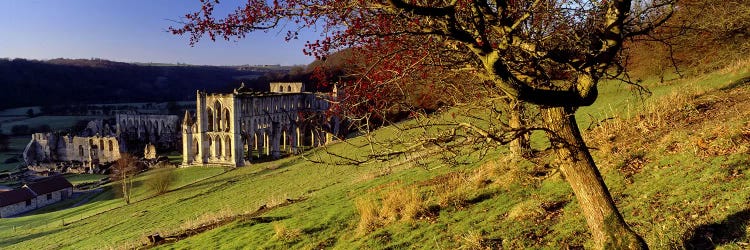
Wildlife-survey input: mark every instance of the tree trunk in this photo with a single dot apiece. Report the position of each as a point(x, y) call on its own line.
point(520, 147)
point(605, 222)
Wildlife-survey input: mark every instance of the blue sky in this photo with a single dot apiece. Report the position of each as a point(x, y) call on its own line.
point(130, 31)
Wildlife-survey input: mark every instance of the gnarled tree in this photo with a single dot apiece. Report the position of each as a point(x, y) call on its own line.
point(551, 53)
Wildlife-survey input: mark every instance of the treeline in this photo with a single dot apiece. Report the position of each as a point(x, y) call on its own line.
point(83, 81)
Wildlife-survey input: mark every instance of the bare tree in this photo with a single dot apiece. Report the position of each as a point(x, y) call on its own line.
point(551, 53)
point(124, 171)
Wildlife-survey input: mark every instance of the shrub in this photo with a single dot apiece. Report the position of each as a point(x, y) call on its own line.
point(368, 215)
point(160, 180)
point(286, 234)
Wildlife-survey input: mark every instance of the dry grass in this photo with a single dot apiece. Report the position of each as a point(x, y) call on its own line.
point(286, 234)
point(206, 219)
point(397, 204)
point(473, 240)
point(530, 209)
point(369, 219)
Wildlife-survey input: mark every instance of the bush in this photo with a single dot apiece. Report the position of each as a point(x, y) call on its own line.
point(160, 180)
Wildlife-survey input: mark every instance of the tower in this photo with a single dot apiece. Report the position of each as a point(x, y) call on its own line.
point(188, 152)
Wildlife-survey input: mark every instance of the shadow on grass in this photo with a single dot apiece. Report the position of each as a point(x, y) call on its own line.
point(736, 84)
point(709, 236)
point(15, 240)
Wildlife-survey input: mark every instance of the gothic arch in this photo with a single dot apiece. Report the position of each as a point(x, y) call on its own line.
point(217, 142)
point(211, 147)
point(226, 119)
point(196, 149)
point(217, 108)
point(228, 147)
point(210, 116)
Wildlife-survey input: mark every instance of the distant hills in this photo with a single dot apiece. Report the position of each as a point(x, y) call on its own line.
point(85, 81)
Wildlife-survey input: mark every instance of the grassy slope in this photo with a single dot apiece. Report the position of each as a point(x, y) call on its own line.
point(672, 180)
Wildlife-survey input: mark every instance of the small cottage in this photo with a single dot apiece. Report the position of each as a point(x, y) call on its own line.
point(51, 190)
point(16, 201)
point(34, 195)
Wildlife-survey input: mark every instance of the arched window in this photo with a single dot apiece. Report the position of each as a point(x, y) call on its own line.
point(289, 88)
point(217, 109)
point(110, 146)
point(80, 150)
point(210, 146)
point(228, 146)
point(281, 88)
point(226, 119)
point(218, 146)
point(210, 116)
point(196, 149)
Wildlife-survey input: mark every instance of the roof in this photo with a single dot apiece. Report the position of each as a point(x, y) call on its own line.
point(15, 196)
point(49, 185)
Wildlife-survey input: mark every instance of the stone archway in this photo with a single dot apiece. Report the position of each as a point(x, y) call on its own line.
point(228, 147)
point(226, 120)
point(210, 119)
point(211, 153)
point(196, 149)
point(217, 142)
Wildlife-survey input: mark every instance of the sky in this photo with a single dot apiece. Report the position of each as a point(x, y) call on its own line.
point(131, 31)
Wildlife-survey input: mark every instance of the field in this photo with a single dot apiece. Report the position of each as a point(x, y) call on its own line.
point(676, 163)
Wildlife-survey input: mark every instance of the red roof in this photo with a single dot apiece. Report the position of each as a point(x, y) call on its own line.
point(15, 196)
point(49, 185)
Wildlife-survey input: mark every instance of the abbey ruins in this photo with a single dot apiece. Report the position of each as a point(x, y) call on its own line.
point(232, 129)
point(100, 143)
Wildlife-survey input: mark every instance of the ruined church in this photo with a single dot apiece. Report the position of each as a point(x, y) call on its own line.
point(232, 129)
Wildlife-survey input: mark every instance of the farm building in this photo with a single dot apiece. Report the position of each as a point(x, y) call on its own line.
point(34, 195)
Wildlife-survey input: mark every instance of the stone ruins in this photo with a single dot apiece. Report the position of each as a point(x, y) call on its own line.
point(49, 151)
point(101, 143)
point(227, 129)
point(233, 129)
point(136, 131)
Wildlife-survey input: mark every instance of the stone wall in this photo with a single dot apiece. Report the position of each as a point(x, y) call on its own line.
point(135, 131)
point(14, 209)
point(49, 147)
point(235, 128)
point(56, 196)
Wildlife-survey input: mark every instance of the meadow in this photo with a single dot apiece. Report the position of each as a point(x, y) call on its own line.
point(676, 163)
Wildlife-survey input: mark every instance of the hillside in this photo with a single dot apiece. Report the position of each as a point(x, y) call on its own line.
point(676, 163)
point(82, 81)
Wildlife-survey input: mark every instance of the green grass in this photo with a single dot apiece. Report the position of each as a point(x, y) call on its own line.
point(77, 179)
point(667, 188)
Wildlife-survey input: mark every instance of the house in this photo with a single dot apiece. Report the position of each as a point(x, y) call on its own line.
point(51, 190)
point(16, 201)
point(34, 195)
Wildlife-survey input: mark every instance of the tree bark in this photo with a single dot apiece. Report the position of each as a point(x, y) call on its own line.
point(605, 222)
point(520, 147)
